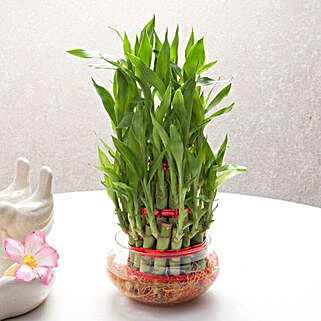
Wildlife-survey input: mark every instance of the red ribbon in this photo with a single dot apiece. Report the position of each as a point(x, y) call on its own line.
point(171, 212)
point(203, 275)
point(169, 253)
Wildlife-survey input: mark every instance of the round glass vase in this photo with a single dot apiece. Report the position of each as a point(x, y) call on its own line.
point(162, 277)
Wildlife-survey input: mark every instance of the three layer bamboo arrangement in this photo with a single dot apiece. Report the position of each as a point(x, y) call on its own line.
point(161, 158)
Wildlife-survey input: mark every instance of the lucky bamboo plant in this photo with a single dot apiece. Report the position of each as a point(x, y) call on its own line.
point(161, 157)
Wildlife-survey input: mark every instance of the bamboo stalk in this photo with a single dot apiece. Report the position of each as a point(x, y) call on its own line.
point(174, 263)
point(161, 190)
point(146, 262)
point(131, 256)
point(138, 218)
point(186, 260)
point(139, 243)
point(198, 258)
point(163, 243)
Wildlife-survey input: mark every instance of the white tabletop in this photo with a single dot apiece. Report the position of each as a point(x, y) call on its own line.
point(269, 253)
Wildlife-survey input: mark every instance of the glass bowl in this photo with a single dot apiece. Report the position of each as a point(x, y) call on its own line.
point(162, 278)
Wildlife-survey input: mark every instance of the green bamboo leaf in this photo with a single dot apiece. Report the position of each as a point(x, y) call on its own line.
point(110, 151)
point(111, 188)
point(137, 100)
point(174, 47)
point(145, 50)
point(106, 99)
point(219, 97)
point(188, 95)
point(192, 163)
point(188, 184)
point(138, 126)
point(206, 154)
point(218, 113)
point(198, 110)
point(115, 85)
point(189, 44)
point(202, 99)
point(208, 96)
point(204, 198)
point(170, 118)
point(227, 175)
point(201, 214)
point(156, 165)
point(129, 156)
point(158, 43)
point(137, 45)
point(122, 88)
point(205, 81)
point(177, 69)
point(124, 186)
point(121, 94)
point(160, 131)
point(135, 146)
point(117, 32)
point(108, 171)
point(101, 66)
point(223, 111)
point(126, 121)
point(178, 105)
point(147, 74)
point(149, 28)
point(227, 167)
point(156, 141)
point(221, 152)
point(194, 60)
point(83, 53)
point(163, 59)
point(176, 146)
point(164, 105)
point(126, 44)
point(114, 63)
point(206, 67)
point(104, 160)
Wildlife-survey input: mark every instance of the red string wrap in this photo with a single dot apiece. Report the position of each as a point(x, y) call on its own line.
point(170, 254)
point(165, 213)
point(165, 165)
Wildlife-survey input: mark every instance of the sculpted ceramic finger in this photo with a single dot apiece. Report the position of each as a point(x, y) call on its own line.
point(20, 188)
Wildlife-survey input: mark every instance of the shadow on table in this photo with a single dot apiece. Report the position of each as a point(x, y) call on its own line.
point(204, 308)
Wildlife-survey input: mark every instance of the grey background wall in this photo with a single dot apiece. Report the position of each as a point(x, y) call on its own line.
point(49, 110)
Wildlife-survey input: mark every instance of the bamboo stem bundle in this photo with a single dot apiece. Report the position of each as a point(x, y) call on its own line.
point(158, 111)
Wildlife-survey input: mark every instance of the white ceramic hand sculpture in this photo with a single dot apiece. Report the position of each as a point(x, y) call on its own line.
point(21, 213)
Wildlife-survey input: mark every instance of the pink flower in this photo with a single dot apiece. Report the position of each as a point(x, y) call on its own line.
point(34, 259)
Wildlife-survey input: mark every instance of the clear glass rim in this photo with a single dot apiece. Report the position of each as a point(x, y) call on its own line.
point(165, 254)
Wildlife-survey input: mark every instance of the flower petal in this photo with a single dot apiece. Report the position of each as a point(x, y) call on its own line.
point(25, 273)
point(45, 274)
point(34, 242)
point(47, 256)
point(15, 250)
